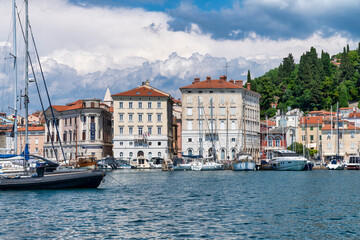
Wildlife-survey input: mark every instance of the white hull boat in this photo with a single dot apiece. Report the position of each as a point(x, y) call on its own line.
point(285, 160)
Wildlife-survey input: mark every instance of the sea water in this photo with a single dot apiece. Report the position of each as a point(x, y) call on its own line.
point(151, 204)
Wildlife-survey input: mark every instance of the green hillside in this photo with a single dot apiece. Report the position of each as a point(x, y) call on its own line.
point(317, 82)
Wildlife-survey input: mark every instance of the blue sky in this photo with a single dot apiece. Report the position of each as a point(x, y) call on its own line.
point(86, 46)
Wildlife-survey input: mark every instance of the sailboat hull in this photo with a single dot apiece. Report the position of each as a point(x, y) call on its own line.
point(244, 166)
point(83, 179)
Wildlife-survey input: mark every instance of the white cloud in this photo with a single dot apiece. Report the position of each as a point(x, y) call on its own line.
point(86, 49)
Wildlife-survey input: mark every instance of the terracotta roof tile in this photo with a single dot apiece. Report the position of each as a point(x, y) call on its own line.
point(70, 106)
point(142, 91)
point(311, 120)
point(357, 115)
point(32, 128)
point(212, 84)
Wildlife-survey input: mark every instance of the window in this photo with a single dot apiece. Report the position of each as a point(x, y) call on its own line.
point(130, 143)
point(84, 119)
point(131, 130)
point(189, 125)
point(352, 145)
point(65, 121)
point(121, 143)
point(311, 128)
point(222, 124)
point(140, 130)
point(149, 104)
point(189, 111)
point(36, 150)
point(92, 118)
point(352, 134)
point(311, 137)
point(149, 117)
point(121, 105)
point(150, 130)
point(121, 117)
point(64, 136)
point(233, 125)
point(189, 100)
point(121, 154)
point(277, 142)
point(270, 142)
point(92, 104)
point(36, 141)
point(159, 117)
point(233, 139)
point(140, 104)
point(84, 135)
point(222, 100)
point(232, 99)
point(159, 130)
point(121, 130)
point(222, 111)
point(201, 99)
point(201, 111)
point(70, 121)
point(189, 139)
point(329, 145)
point(190, 152)
point(130, 154)
point(232, 111)
point(140, 117)
point(159, 105)
point(131, 117)
point(320, 127)
point(159, 154)
point(130, 105)
point(159, 143)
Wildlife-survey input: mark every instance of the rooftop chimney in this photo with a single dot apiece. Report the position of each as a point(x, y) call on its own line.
point(248, 86)
point(208, 79)
point(222, 78)
point(232, 81)
point(196, 80)
point(239, 83)
point(147, 83)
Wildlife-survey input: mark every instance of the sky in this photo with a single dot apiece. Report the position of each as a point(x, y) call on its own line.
point(87, 46)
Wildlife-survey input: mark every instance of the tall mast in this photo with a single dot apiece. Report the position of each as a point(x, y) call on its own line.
point(26, 99)
point(338, 131)
point(331, 129)
point(212, 130)
point(15, 77)
point(200, 126)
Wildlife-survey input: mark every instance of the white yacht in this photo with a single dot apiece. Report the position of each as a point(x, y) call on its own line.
point(285, 160)
point(336, 163)
point(244, 162)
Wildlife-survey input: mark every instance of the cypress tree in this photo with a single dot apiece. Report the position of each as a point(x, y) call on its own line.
point(249, 77)
point(347, 48)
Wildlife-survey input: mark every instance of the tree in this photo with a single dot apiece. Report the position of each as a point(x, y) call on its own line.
point(343, 96)
point(248, 76)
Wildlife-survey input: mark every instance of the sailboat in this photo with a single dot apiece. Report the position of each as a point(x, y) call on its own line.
point(26, 180)
point(244, 161)
point(336, 160)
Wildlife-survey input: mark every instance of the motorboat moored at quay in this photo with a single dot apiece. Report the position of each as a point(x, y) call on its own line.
point(335, 163)
point(286, 160)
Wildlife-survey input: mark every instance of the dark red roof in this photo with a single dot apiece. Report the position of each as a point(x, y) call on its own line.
point(212, 84)
point(142, 91)
point(311, 120)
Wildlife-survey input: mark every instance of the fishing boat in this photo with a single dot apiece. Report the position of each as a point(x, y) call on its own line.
point(286, 160)
point(41, 179)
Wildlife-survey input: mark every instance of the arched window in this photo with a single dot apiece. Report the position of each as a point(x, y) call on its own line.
point(150, 155)
point(121, 154)
point(223, 154)
point(270, 141)
point(130, 154)
point(190, 152)
point(159, 154)
point(277, 142)
point(233, 153)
